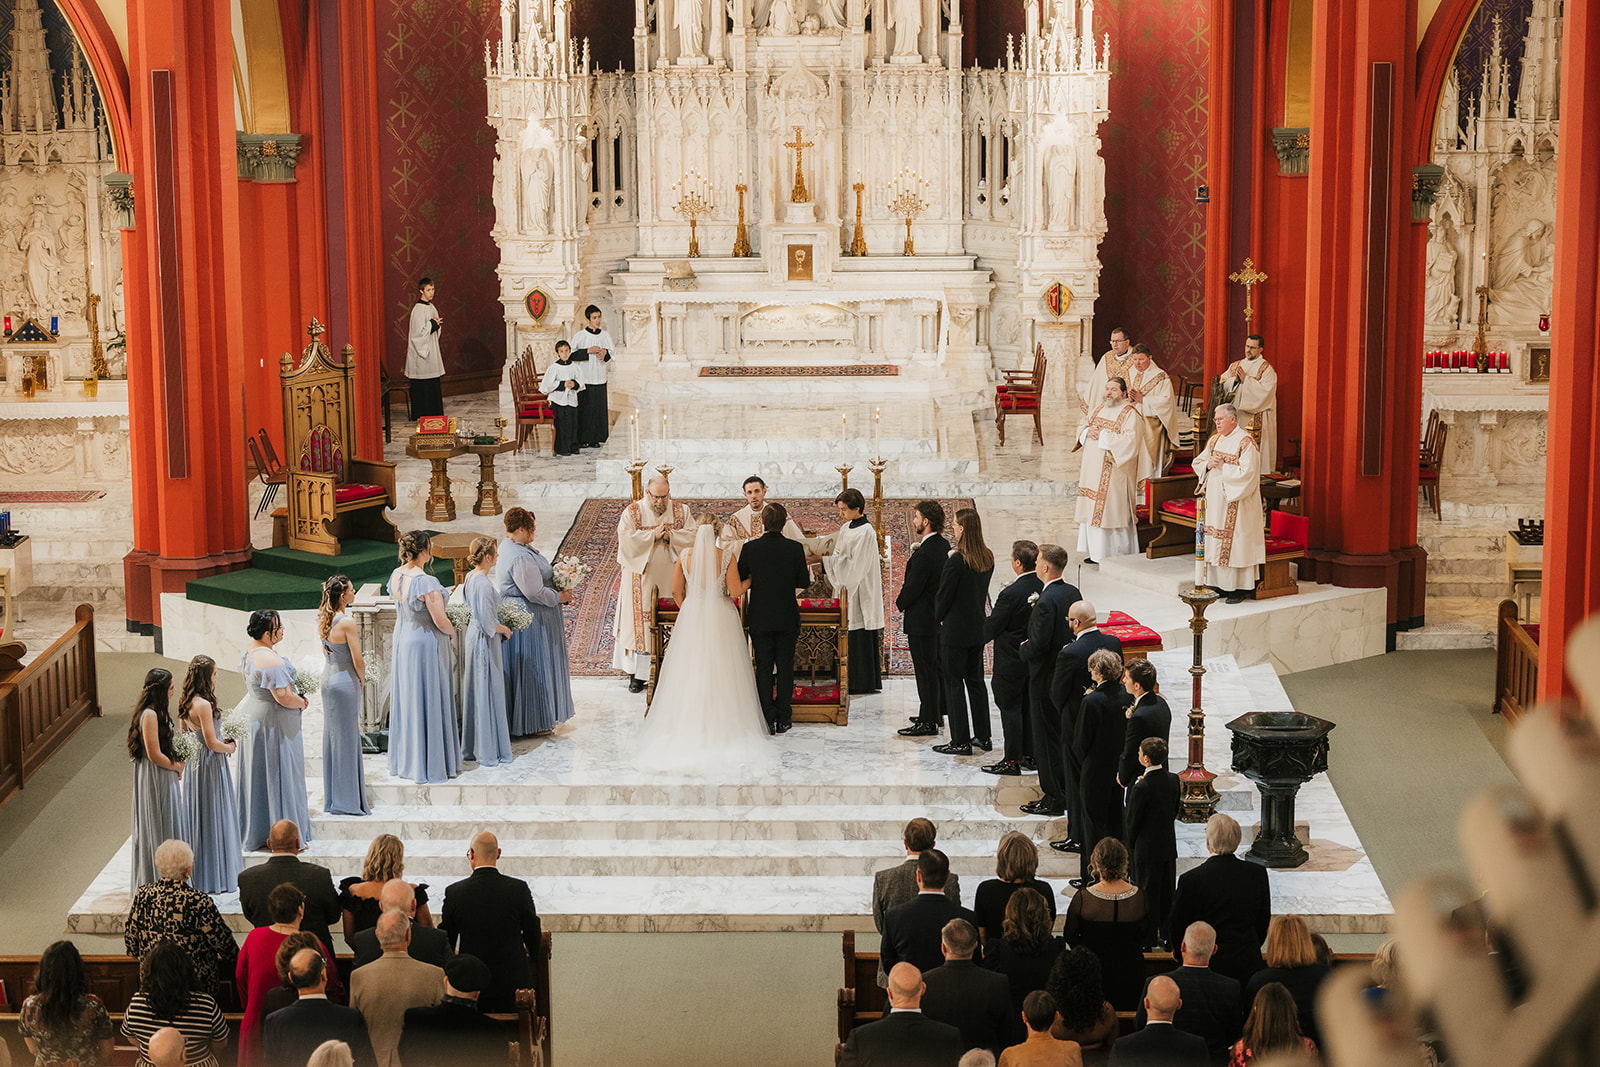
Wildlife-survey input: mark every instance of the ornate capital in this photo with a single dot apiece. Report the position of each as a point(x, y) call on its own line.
point(1293, 145)
point(268, 157)
point(1426, 178)
point(119, 194)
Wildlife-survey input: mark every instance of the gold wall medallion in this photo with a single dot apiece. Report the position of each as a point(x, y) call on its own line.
point(800, 263)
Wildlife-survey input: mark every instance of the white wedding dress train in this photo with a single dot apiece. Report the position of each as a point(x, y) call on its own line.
point(706, 715)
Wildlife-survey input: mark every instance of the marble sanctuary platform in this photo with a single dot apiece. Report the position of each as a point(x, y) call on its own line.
point(606, 847)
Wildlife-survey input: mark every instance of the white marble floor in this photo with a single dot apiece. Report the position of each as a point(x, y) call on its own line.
point(609, 848)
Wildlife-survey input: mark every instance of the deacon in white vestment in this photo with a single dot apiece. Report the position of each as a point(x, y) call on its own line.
point(650, 534)
point(1229, 472)
point(852, 563)
point(1150, 390)
point(1114, 464)
point(1114, 364)
point(593, 350)
point(424, 363)
point(1252, 387)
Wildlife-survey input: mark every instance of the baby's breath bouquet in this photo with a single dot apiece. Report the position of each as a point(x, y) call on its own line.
point(185, 746)
point(375, 671)
point(233, 725)
point(460, 615)
point(308, 677)
point(514, 618)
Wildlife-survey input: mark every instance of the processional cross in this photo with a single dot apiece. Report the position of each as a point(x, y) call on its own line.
point(798, 195)
point(1249, 277)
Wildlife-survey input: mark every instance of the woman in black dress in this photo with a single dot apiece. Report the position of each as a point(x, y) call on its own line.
point(1112, 918)
point(1023, 950)
point(959, 607)
point(1016, 862)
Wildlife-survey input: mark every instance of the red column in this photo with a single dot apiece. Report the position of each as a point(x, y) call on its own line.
point(1362, 315)
point(183, 297)
point(1572, 495)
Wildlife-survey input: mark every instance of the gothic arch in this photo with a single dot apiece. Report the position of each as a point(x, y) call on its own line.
point(104, 53)
point(1434, 56)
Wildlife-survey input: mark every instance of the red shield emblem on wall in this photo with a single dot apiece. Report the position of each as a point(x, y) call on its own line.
point(1057, 298)
point(538, 304)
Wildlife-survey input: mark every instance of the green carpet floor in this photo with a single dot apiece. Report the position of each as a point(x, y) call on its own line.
point(286, 579)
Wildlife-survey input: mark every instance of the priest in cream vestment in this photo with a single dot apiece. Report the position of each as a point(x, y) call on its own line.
point(1150, 390)
point(1253, 390)
point(1114, 364)
point(650, 534)
point(1114, 464)
point(745, 524)
point(1229, 472)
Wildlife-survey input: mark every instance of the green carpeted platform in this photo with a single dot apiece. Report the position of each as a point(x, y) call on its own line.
point(286, 579)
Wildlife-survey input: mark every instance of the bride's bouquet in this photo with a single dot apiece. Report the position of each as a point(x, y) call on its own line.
point(570, 572)
point(514, 618)
point(185, 746)
point(233, 725)
point(308, 677)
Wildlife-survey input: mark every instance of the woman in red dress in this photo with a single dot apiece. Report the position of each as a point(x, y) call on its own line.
point(257, 970)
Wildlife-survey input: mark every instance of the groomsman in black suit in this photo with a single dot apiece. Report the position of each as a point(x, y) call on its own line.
point(1048, 633)
point(924, 568)
point(1007, 627)
point(1151, 717)
point(491, 916)
point(773, 569)
point(1068, 684)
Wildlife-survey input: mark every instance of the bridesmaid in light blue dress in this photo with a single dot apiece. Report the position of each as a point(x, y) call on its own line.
point(272, 766)
point(344, 788)
point(157, 799)
point(538, 688)
point(484, 733)
point(210, 810)
point(424, 745)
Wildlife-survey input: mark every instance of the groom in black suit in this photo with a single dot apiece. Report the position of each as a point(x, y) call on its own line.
point(918, 592)
point(1048, 634)
point(775, 569)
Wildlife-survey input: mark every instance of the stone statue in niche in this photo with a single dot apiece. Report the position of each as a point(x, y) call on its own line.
point(39, 253)
point(832, 12)
point(781, 19)
point(1441, 306)
point(1524, 271)
point(536, 190)
point(905, 19)
point(1060, 176)
point(689, 19)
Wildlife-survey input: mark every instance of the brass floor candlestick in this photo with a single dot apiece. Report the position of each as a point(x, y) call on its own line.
point(1480, 344)
point(741, 236)
point(844, 470)
point(694, 202)
point(877, 466)
point(858, 243)
point(635, 471)
point(1197, 797)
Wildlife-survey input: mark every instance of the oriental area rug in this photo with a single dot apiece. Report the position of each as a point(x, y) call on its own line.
point(593, 539)
point(51, 496)
point(840, 370)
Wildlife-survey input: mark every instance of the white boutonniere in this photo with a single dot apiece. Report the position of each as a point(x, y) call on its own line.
point(1032, 600)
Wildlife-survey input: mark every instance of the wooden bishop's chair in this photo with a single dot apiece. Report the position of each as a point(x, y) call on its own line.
point(333, 495)
point(1021, 393)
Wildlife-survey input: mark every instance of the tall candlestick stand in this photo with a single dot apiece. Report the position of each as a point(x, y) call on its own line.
point(741, 236)
point(636, 470)
point(1197, 797)
point(664, 470)
point(1480, 344)
point(844, 470)
point(858, 243)
point(694, 202)
point(876, 466)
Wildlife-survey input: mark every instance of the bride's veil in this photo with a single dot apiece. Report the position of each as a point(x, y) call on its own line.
point(703, 580)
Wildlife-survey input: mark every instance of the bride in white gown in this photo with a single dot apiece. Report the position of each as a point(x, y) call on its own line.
point(705, 714)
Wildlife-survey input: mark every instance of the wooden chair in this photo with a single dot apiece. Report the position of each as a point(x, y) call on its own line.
point(1287, 537)
point(274, 464)
point(270, 479)
point(1172, 504)
point(332, 494)
point(533, 407)
point(1021, 392)
point(1428, 464)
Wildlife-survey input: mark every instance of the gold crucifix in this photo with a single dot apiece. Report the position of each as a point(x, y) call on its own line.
point(1248, 277)
point(798, 195)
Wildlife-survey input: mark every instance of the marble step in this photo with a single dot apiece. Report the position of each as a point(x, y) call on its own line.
point(1484, 587)
point(1005, 791)
point(1446, 635)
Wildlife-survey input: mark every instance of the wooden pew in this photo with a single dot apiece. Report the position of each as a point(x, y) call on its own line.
point(1516, 664)
point(115, 979)
point(44, 703)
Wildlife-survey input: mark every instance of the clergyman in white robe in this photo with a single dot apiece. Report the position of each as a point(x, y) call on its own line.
point(1254, 386)
point(1116, 363)
point(1150, 390)
point(646, 560)
point(1114, 464)
point(853, 565)
point(1229, 473)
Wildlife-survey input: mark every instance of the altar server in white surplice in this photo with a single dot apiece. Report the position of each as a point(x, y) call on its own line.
point(650, 534)
point(853, 564)
point(1229, 469)
point(1150, 390)
point(1252, 387)
point(1114, 463)
point(561, 385)
point(424, 364)
point(745, 524)
point(593, 350)
point(1114, 364)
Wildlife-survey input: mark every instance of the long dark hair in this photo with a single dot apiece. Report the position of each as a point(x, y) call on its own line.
point(59, 983)
point(201, 681)
point(1274, 1022)
point(166, 978)
point(157, 684)
point(970, 543)
point(1075, 983)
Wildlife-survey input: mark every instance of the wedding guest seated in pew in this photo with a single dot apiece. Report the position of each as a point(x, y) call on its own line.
point(971, 998)
point(285, 865)
point(1016, 864)
point(290, 1035)
point(491, 917)
point(1040, 1048)
point(912, 932)
point(1159, 1043)
point(1024, 951)
point(393, 984)
point(904, 1036)
point(1086, 1016)
point(428, 943)
point(454, 1032)
point(62, 1022)
point(168, 1000)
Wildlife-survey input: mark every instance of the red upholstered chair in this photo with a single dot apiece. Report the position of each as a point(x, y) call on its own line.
point(1021, 393)
point(1287, 537)
point(533, 407)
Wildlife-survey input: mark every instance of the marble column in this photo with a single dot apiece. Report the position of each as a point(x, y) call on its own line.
point(1572, 480)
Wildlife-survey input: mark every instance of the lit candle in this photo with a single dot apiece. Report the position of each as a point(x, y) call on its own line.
point(633, 427)
point(663, 437)
point(843, 434)
point(877, 434)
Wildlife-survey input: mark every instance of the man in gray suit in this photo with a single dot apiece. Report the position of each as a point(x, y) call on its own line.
point(386, 987)
point(894, 886)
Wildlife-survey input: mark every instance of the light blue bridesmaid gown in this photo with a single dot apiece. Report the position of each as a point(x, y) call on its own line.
point(423, 743)
point(272, 760)
point(344, 789)
point(157, 814)
point(211, 812)
point(538, 688)
point(484, 728)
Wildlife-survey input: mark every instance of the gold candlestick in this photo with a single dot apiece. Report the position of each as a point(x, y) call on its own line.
point(1480, 344)
point(907, 201)
point(877, 466)
point(741, 236)
point(664, 470)
point(636, 470)
point(858, 243)
point(500, 429)
point(1197, 797)
point(844, 470)
point(694, 202)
